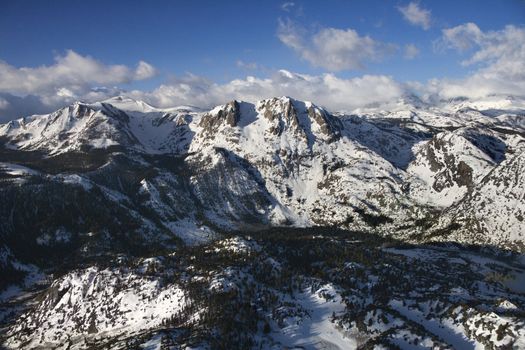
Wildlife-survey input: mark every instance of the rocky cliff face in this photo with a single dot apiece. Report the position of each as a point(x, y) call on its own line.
point(493, 212)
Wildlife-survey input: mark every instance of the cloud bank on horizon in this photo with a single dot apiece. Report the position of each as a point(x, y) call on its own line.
point(495, 60)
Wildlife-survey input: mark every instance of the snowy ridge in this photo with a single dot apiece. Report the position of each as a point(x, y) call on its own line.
point(100, 125)
point(446, 167)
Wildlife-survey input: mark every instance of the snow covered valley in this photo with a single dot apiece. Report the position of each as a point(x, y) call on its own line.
point(282, 288)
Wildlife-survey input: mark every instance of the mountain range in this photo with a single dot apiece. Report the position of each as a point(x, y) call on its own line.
point(122, 178)
point(282, 162)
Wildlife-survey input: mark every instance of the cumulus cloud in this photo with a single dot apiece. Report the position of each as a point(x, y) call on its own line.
point(331, 48)
point(498, 57)
point(70, 71)
point(411, 51)
point(416, 15)
point(462, 37)
point(29, 90)
point(144, 71)
point(502, 52)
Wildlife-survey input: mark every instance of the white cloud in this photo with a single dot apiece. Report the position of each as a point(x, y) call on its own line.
point(411, 51)
point(326, 89)
point(462, 37)
point(501, 52)
point(72, 71)
point(4, 104)
point(416, 15)
point(287, 6)
point(144, 71)
point(498, 57)
point(64, 92)
point(331, 48)
point(71, 77)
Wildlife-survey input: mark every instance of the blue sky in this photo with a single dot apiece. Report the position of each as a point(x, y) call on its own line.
point(220, 41)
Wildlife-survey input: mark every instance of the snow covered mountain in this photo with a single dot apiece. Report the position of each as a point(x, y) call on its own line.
point(277, 162)
point(124, 225)
point(101, 125)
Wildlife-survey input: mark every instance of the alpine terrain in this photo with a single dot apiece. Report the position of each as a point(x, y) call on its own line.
point(269, 225)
